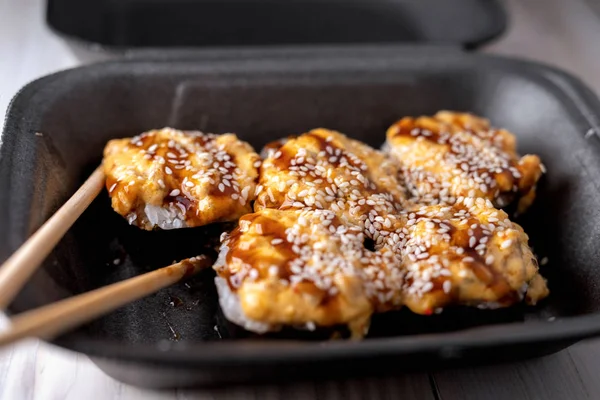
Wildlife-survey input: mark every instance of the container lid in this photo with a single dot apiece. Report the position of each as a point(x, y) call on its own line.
point(127, 24)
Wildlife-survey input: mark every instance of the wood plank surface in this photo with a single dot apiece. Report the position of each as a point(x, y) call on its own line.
point(553, 377)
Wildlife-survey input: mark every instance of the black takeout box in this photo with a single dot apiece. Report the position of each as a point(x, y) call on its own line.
point(133, 24)
point(56, 128)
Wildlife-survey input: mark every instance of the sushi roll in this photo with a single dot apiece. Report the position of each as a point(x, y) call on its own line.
point(453, 154)
point(170, 179)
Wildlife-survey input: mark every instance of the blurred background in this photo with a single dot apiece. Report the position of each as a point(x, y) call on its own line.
point(557, 32)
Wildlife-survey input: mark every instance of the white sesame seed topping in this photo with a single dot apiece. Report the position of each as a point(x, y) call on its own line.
point(472, 241)
point(447, 285)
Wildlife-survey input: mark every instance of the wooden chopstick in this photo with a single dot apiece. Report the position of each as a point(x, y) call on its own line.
point(15, 271)
point(49, 321)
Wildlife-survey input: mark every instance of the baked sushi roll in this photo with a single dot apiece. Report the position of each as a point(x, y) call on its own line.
point(169, 179)
point(451, 155)
point(312, 269)
point(306, 269)
point(468, 254)
point(324, 169)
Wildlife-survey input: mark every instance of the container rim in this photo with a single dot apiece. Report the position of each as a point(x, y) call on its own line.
point(495, 14)
point(568, 329)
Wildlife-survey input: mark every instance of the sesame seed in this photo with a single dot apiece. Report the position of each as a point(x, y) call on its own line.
point(245, 192)
point(427, 287)
point(271, 196)
point(174, 192)
point(447, 285)
point(253, 275)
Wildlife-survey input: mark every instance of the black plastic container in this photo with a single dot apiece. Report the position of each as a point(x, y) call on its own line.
point(178, 338)
point(133, 24)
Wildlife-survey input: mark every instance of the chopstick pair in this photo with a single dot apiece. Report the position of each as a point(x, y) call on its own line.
point(51, 320)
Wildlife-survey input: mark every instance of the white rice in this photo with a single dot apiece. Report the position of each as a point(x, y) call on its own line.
point(232, 308)
point(165, 218)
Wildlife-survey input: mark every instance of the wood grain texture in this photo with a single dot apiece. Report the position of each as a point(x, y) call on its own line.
point(20, 378)
point(551, 377)
point(586, 360)
point(412, 386)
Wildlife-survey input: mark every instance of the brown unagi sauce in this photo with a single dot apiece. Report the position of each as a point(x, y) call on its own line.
point(283, 162)
point(254, 256)
point(175, 160)
point(484, 272)
point(411, 128)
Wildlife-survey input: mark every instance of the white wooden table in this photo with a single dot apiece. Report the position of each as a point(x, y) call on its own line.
point(564, 33)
